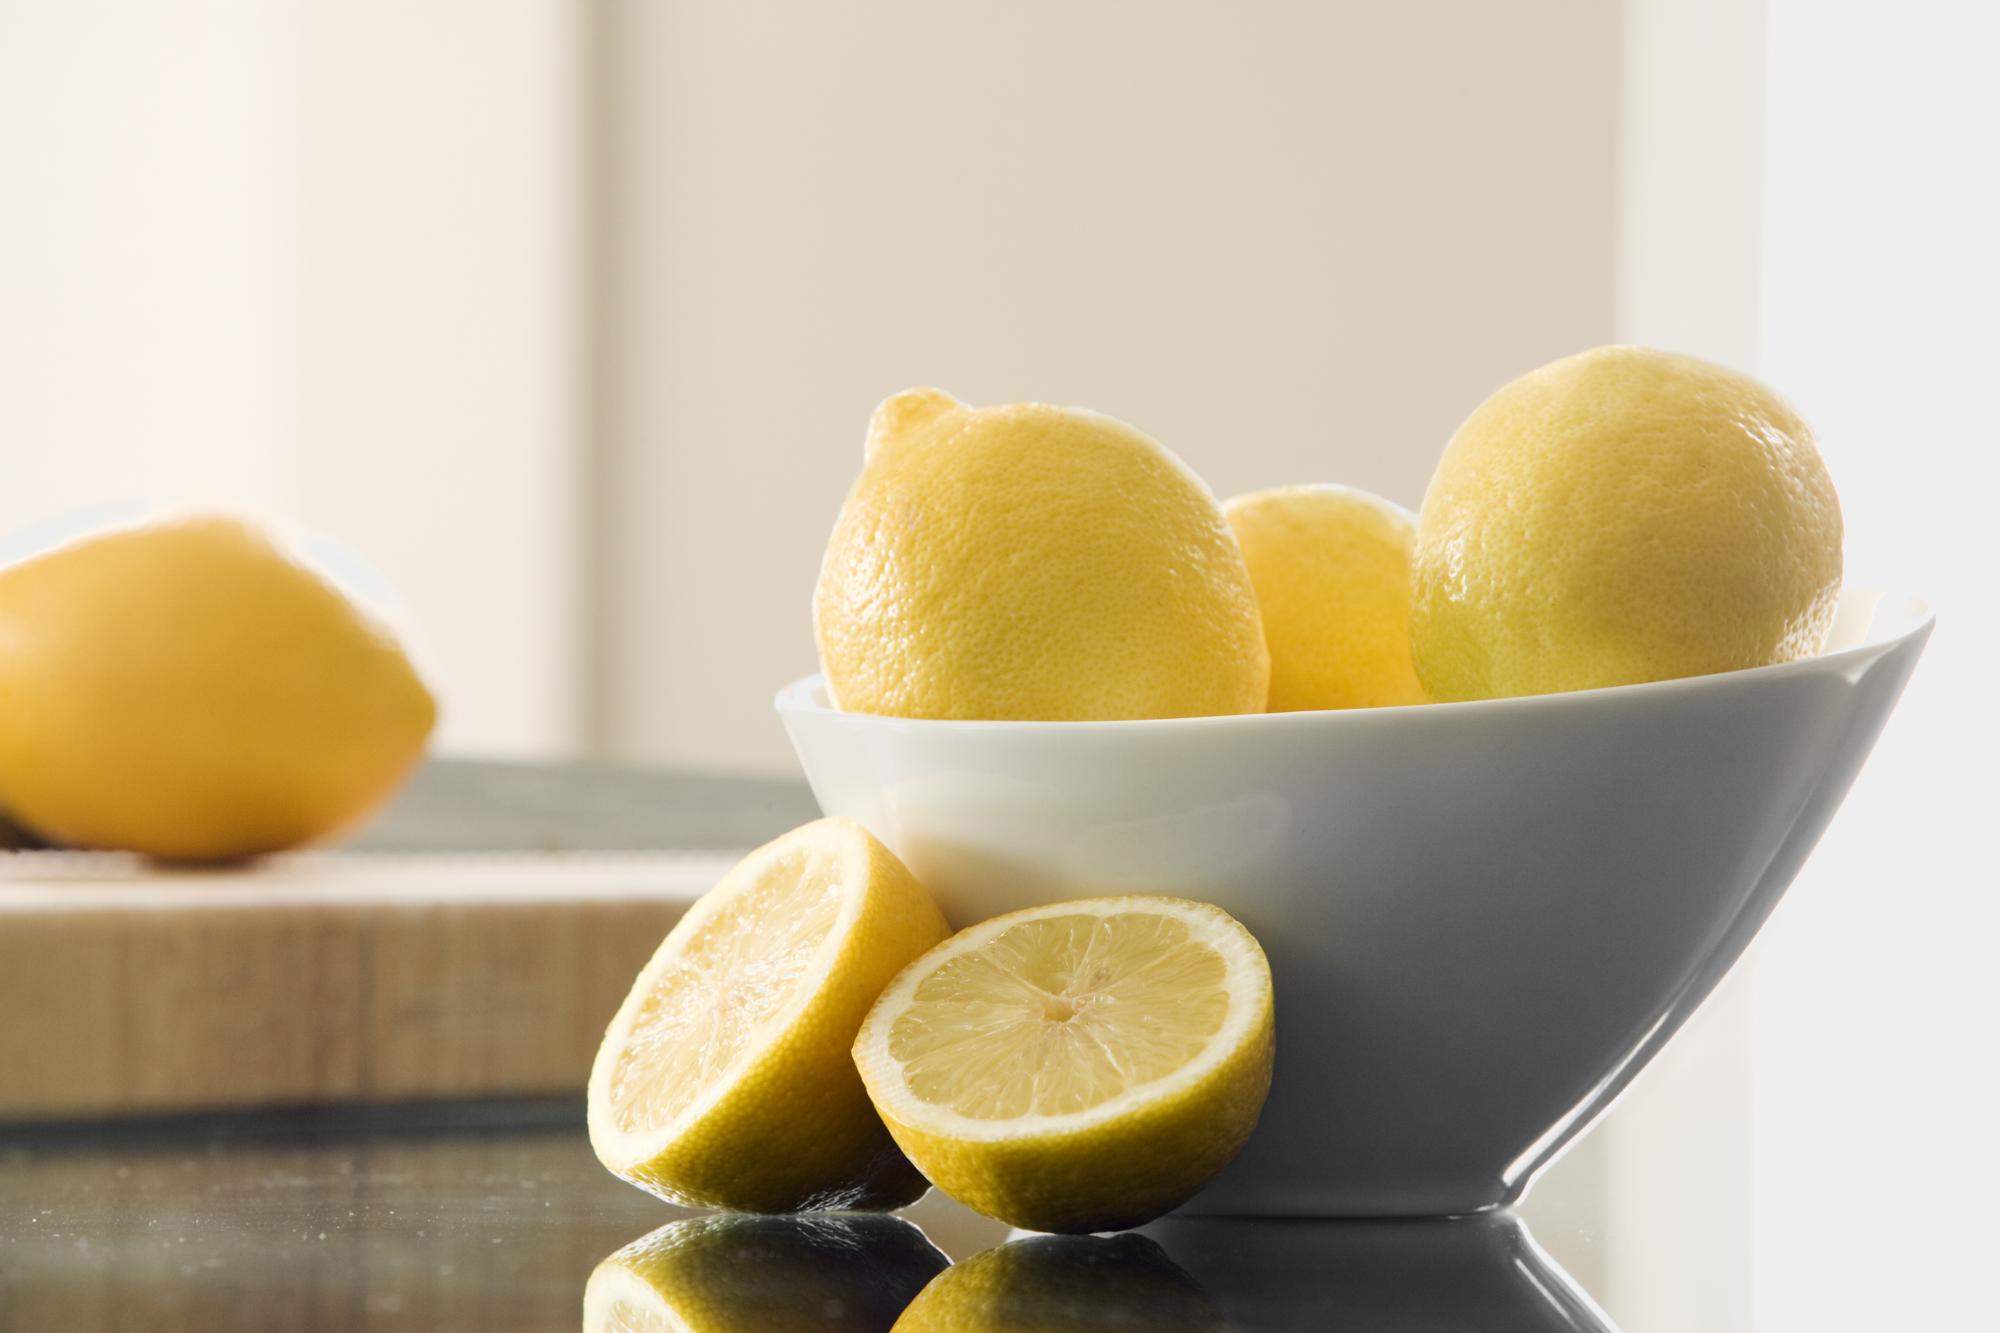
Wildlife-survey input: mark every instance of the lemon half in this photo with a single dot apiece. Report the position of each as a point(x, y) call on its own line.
point(1083, 1066)
point(724, 1080)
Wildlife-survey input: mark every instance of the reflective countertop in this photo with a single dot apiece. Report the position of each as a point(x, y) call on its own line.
point(496, 1217)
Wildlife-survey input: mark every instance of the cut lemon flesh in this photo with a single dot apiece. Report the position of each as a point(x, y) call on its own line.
point(1080, 1066)
point(737, 974)
point(1060, 1014)
point(722, 1081)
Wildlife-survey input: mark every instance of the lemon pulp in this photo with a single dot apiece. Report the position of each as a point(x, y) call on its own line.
point(724, 1080)
point(739, 972)
point(1061, 1014)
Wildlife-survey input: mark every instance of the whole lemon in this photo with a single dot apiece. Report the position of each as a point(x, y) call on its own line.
point(1032, 562)
point(187, 690)
point(1332, 570)
point(1618, 516)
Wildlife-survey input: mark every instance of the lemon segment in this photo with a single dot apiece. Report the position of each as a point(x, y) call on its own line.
point(723, 1080)
point(1331, 565)
point(1084, 1066)
point(1032, 562)
point(186, 689)
point(1620, 516)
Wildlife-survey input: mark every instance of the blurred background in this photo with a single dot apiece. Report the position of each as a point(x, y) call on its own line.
point(568, 318)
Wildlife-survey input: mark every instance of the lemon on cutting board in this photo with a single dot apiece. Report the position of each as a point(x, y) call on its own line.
point(724, 1080)
point(187, 689)
point(1032, 562)
point(1620, 516)
point(1331, 565)
point(1083, 1066)
point(731, 1273)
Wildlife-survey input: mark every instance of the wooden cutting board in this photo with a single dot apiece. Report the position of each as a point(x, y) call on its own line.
point(473, 941)
point(331, 977)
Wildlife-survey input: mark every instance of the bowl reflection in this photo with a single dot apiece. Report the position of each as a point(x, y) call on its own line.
point(1398, 1276)
point(734, 1273)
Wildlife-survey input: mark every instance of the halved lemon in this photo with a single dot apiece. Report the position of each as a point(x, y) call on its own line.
point(724, 1080)
point(1084, 1066)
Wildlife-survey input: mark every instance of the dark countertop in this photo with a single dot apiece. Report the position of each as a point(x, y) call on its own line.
point(493, 1217)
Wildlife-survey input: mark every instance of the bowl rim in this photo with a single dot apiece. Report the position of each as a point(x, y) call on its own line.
point(1894, 620)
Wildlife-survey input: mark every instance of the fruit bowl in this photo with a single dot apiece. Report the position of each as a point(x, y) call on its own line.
point(1483, 919)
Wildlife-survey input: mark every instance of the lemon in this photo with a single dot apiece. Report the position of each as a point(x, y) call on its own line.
point(1054, 1284)
point(1032, 562)
point(1619, 516)
point(1083, 1066)
point(727, 1273)
point(724, 1080)
point(188, 690)
point(1332, 570)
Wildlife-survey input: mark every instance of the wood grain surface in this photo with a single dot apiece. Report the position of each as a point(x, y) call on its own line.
point(324, 977)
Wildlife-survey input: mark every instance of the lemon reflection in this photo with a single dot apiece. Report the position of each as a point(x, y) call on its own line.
point(732, 1273)
point(1053, 1284)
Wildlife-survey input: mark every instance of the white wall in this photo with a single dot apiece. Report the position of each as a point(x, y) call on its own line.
point(1672, 1163)
point(1875, 1088)
point(439, 337)
point(1295, 241)
point(145, 256)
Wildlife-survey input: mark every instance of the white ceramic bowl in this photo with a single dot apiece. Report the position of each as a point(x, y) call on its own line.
point(1482, 919)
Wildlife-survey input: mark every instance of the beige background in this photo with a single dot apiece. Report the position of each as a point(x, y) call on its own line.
point(1296, 242)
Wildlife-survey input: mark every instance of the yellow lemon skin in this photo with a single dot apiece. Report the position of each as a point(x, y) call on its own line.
point(775, 1120)
point(1032, 562)
point(731, 1273)
point(1130, 1153)
point(1620, 516)
point(1103, 1178)
point(1054, 1284)
point(187, 690)
point(1332, 570)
